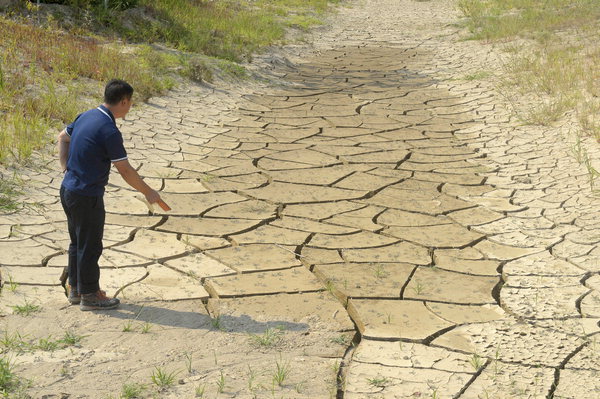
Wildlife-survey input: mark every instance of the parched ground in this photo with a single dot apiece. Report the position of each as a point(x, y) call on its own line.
point(369, 190)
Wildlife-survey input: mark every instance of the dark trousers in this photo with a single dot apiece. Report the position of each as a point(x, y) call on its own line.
point(85, 217)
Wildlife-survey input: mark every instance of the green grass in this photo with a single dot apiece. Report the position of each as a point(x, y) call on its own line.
point(228, 29)
point(8, 379)
point(282, 371)
point(132, 391)
point(17, 343)
point(162, 378)
point(26, 309)
point(379, 381)
point(43, 86)
point(502, 19)
point(9, 193)
point(271, 337)
point(14, 342)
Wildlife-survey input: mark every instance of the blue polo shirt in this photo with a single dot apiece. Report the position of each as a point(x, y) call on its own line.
point(95, 143)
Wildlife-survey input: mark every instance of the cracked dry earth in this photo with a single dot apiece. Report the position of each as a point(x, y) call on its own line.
point(372, 188)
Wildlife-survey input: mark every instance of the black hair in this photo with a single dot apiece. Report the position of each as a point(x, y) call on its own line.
point(116, 90)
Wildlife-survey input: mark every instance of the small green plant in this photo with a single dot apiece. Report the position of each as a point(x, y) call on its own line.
point(379, 382)
point(251, 379)
point(340, 340)
point(26, 309)
point(336, 367)
point(330, 286)
point(188, 362)
point(146, 327)
point(199, 391)
point(593, 173)
point(71, 339)
point(161, 378)
point(12, 285)
point(207, 177)
point(65, 371)
point(132, 391)
point(418, 287)
point(47, 344)
point(282, 370)
point(216, 323)
point(271, 337)
point(379, 272)
point(8, 380)
point(221, 383)
point(128, 327)
point(14, 342)
point(577, 150)
point(476, 361)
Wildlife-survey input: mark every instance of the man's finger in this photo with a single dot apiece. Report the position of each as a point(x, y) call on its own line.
point(163, 205)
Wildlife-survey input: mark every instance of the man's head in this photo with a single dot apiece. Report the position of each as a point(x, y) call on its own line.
point(117, 97)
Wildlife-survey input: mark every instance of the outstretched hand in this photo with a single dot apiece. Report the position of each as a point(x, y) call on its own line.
point(154, 198)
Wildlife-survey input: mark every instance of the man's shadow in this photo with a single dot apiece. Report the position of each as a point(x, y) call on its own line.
point(150, 313)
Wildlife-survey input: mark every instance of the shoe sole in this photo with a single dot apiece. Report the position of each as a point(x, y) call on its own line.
point(74, 301)
point(92, 307)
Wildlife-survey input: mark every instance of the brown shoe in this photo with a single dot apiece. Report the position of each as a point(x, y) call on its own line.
point(74, 298)
point(98, 301)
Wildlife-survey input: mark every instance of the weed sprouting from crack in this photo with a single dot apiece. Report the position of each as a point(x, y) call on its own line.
point(216, 323)
point(476, 361)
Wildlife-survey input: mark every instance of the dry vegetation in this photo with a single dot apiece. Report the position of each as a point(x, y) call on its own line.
point(554, 60)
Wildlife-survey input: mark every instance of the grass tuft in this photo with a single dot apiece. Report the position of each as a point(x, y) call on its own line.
point(8, 379)
point(26, 309)
point(271, 337)
point(162, 378)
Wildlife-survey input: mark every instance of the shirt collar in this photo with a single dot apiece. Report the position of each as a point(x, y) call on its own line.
point(106, 112)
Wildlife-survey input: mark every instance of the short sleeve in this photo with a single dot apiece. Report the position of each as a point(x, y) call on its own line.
point(114, 147)
point(70, 126)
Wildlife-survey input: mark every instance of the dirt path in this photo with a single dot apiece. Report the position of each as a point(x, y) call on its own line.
point(372, 184)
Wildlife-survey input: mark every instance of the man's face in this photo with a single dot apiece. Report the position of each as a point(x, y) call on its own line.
point(122, 108)
point(126, 104)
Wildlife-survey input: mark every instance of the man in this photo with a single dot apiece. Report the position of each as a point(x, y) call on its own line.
point(86, 149)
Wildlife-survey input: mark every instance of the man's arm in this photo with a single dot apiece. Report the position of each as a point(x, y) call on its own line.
point(132, 178)
point(64, 141)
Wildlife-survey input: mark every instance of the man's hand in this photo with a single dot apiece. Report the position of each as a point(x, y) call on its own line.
point(152, 197)
point(132, 178)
